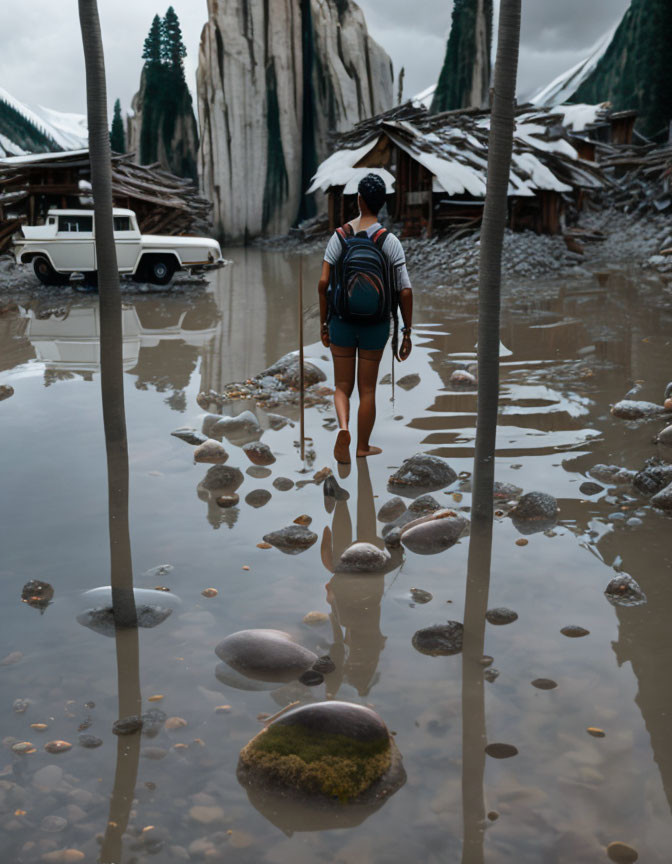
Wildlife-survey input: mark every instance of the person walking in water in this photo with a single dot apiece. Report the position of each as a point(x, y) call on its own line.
point(364, 280)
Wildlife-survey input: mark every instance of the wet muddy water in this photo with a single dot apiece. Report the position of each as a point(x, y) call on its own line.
point(569, 351)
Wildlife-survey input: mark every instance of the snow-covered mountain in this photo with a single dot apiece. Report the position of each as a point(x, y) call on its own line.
point(35, 129)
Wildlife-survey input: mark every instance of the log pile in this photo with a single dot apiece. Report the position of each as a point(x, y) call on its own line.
point(31, 185)
point(642, 178)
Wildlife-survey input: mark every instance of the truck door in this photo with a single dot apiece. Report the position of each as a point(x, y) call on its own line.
point(74, 245)
point(127, 241)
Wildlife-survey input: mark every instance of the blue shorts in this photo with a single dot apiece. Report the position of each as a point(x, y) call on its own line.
point(370, 337)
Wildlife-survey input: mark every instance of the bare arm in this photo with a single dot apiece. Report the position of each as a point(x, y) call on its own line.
point(322, 286)
point(406, 305)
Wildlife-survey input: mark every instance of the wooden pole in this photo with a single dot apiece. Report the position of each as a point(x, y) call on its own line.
point(301, 371)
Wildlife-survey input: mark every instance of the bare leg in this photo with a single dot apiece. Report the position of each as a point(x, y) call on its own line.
point(367, 375)
point(344, 381)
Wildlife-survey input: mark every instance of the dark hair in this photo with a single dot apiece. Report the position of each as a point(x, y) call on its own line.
point(372, 190)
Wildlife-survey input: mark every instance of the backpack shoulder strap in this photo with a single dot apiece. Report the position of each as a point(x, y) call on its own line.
point(379, 237)
point(342, 233)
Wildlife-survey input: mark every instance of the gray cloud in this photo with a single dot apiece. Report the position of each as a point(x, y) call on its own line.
point(41, 56)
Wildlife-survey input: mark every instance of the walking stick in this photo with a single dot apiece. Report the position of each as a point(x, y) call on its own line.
point(301, 393)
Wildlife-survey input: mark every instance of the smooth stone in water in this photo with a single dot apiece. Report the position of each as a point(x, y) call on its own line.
point(423, 505)
point(536, 511)
point(408, 382)
point(363, 558)
point(265, 655)
point(612, 475)
point(291, 540)
point(311, 678)
point(259, 453)
point(331, 489)
point(53, 824)
point(622, 853)
point(440, 640)
point(501, 751)
point(127, 725)
point(501, 615)
point(491, 674)
point(391, 510)
point(37, 594)
point(324, 664)
point(420, 596)
point(228, 500)
point(544, 684)
point(283, 484)
point(222, 478)
point(239, 429)
point(277, 421)
point(190, 435)
point(89, 741)
point(573, 631)
point(589, 488)
point(433, 533)
point(6, 391)
point(653, 478)
point(665, 437)
point(288, 371)
point(210, 451)
point(663, 499)
point(460, 379)
point(422, 473)
point(57, 746)
point(313, 618)
point(258, 472)
point(393, 538)
point(623, 590)
point(258, 497)
point(631, 409)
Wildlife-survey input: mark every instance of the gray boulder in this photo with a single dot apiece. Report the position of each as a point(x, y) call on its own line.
point(363, 558)
point(210, 451)
point(421, 473)
point(623, 590)
point(463, 380)
point(433, 533)
point(222, 479)
point(631, 409)
point(408, 382)
point(665, 437)
point(190, 435)
point(258, 498)
point(536, 511)
point(612, 475)
point(265, 655)
point(240, 429)
point(259, 453)
point(653, 478)
point(287, 370)
point(440, 640)
point(663, 499)
point(391, 510)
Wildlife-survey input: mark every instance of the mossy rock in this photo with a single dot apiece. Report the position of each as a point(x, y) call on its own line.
point(333, 750)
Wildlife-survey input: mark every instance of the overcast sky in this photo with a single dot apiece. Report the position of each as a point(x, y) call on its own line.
point(41, 56)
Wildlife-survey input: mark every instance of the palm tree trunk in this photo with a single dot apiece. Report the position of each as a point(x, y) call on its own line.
point(114, 420)
point(480, 541)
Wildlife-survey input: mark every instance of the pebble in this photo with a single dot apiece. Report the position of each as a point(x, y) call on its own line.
point(544, 684)
point(39, 727)
point(521, 541)
point(535, 511)
point(462, 380)
point(324, 664)
point(434, 532)
point(573, 631)
point(258, 498)
point(423, 472)
point(322, 474)
point(153, 753)
point(283, 484)
point(23, 748)
point(20, 706)
point(623, 590)
point(315, 618)
point(210, 452)
point(501, 615)
point(223, 709)
point(57, 746)
point(206, 815)
point(291, 540)
point(311, 678)
point(259, 453)
point(331, 489)
point(493, 815)
point(663, 499)
point(486, 660)
point(363, 558)
point(265, 655)
point(175, 723)
point(596, 732)
point(156, 697)
point(263, 545)
point(631, 409)
point(408, 382)
point(501, 751)
point(491, 674)
point(209, 592)
point(6, 390)
point(53, 824)
point(621, 853)
point(303, 520)
point(440, 640)
point(228, 500)
point(127, 725)
point(89, 741)
point(420, 596)
point(190, 435)
point(590, 488)
point(258, 472)
point(11, 658)
point(63, 856)
point(37, 594)
point(391, 510)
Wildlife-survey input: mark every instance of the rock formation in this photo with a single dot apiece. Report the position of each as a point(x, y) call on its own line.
point(270, 89)
point(464, 81)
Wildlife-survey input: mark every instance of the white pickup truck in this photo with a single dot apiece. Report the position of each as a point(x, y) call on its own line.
point(65, 245)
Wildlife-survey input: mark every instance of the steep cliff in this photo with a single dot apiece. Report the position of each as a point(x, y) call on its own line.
point(271, 86)
point(465, 76)
point(634, 70)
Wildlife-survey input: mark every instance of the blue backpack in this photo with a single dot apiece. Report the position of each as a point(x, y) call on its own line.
point(361, 285)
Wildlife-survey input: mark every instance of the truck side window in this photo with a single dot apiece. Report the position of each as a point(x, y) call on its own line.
point(72, 224)
point(122, 223)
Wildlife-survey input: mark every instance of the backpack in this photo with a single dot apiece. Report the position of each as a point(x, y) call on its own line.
point(361, 286)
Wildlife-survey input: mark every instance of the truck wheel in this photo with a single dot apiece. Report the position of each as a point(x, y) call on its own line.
point(46, 273)
point(159, 270)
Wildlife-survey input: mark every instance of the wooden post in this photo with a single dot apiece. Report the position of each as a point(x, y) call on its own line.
point(302, 426)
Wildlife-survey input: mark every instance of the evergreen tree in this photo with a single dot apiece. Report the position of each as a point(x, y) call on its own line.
point(172, 46)
point(117, 137)
point(634, 70)
point(465, 75)
point(151, 53)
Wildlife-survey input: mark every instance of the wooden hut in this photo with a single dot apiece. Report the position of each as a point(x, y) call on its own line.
point(31, 185)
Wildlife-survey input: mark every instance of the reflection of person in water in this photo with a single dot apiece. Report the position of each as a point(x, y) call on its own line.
point(354, 597)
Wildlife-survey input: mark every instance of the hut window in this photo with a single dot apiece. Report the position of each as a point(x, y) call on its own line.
point(75, 224)
point(122, 223)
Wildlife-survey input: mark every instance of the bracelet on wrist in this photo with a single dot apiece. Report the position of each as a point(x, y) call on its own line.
point(406, 331)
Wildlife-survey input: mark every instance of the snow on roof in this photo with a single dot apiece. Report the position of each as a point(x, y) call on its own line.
point(453, 147)
point(566, 84)
point(359, 173)
point(41, 157)
point(577, 117)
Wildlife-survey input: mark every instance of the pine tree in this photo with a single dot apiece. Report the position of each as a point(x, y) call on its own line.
point(172, 46)
point(465, 75)
point(117, 137)
point(151, 53)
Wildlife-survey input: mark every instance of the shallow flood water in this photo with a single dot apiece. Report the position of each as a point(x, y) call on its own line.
point(570, 350)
